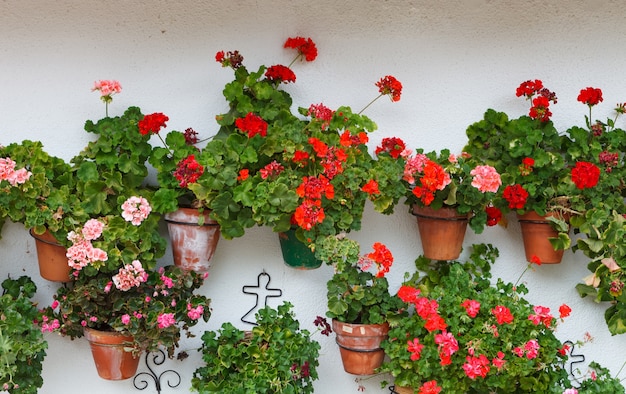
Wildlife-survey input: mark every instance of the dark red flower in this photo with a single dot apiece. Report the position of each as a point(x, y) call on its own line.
point(392, 145)
point(305, 46)
point(280, 73)
point(590, 96)
point(515, 195)
point(494, 215)
point(252, 124)
point(152, 123)
point(229, 59)
point(321, 112)
point(191, 136)
point(188, 171)
point(585, 174)
point(391, 86)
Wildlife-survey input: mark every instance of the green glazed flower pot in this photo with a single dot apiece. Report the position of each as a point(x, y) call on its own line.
point(295, 253)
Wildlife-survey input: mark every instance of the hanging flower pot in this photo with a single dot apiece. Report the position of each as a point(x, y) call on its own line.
point(51, 257)
point(193, 244)
point(112, 361)
point(359, 346)
point(403, 390)
point(295, 253)
point(536, 234)
point(442, 231)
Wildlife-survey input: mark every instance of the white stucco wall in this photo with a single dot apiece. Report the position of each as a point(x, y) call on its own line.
point(454, 58)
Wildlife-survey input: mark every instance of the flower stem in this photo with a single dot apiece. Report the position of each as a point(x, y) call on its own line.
point(370, 103)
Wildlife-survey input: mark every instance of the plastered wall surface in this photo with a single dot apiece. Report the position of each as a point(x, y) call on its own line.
point(454, 58)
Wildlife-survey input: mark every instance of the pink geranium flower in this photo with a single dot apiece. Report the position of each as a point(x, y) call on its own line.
point(486, 179)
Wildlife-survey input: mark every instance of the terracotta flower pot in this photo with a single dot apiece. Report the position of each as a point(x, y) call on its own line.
point(442, 231)
point(295, 253)
point(536, 231)
point(52, 258)
point(359, 346)
point(403, 390)
point(112, 361)
point(193, 245)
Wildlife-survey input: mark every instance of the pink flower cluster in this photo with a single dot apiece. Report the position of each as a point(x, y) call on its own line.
point(165, 320)
point(130, 276)
point(107, 87)
point(82, 252)
point(486, 179)
point(530, 349)
point(136, 210)
point(195, 313)
point(10, 174)
point(47, 326)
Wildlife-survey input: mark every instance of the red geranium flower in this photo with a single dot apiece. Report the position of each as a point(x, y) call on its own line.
point(494, 215)
point(529, 88)
point(188, 171)
point(585, 175)
point(252, 124)
point(371, 187)
point(391, 86)
point(564, 311)
point(515, 195)
point(280, 73)
point(152, 123)
point(305, 46)
point(590, 96)
point(394, 146)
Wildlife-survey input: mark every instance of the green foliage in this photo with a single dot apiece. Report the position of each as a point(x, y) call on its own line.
point(449, 286)
point(354, 294)
point(275, 357)
point(602, 383)
point(22, 345)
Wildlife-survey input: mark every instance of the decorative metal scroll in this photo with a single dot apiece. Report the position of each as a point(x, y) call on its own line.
point(257, 291)
point(141, 382)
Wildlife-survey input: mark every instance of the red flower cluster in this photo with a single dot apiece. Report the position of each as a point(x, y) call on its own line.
point(494, 215)
point(305, 46)
point(515, 195)
point(391, 86)
point(540, 102)
point(609, 160)
point(191, 136)
point(585, 175)
point(503, 314)
point(308, 214)
point(280, 73)
point(252, 124)
point(434, 178)
point(382, 257)
point(371, 187)
point(527, 166)
point(152, 123)
point(590, 96)
point(229, 59)
point(394, 146)
point(188, 171)
point(321, 112)
point(347, 139)
point(316, 187)
point(271, 170)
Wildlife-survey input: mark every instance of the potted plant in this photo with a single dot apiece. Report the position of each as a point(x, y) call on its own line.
point(118, 289)
point(277, 356)
point(466, 335)
point(194, 235)
point(529, 153)
point(598, 380)
point(308, 172)
point(22, 345)
point(445, 193)
point(359, 301)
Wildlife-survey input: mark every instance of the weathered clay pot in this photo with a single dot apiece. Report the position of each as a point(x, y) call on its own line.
point(536, 231)
point(193, 244)
point(359, 346)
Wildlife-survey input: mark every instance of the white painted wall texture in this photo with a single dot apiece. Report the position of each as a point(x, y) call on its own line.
point(454, 58)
